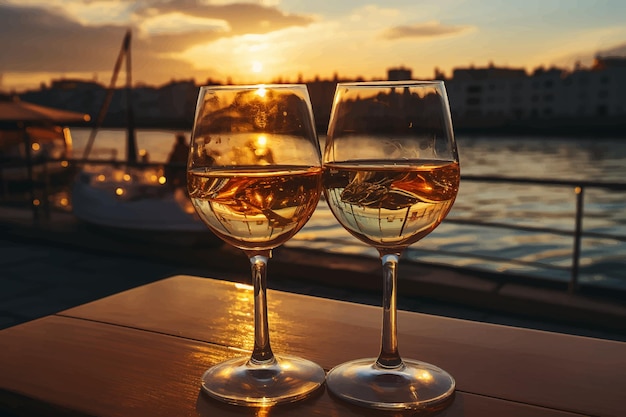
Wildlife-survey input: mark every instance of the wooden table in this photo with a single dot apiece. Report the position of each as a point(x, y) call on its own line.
point(142, 352)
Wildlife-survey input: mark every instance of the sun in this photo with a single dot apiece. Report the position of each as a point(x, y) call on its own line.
point(257, 67)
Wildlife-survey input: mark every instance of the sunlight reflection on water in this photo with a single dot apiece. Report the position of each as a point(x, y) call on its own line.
point(603, 260)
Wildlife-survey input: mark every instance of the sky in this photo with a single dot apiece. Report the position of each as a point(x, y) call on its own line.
point(260, 41)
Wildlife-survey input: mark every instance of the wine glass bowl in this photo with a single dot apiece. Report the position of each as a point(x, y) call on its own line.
point(391, 175)
point(254, 177)
point(254, 168)
point(391, 206)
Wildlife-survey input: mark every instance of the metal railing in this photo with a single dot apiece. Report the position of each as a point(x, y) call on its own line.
point(578, 187)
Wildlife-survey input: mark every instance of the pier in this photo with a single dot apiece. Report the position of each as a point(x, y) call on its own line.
point(61, 263)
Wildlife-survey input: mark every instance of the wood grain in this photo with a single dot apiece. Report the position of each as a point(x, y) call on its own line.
point(577, 374)
point(67, 366)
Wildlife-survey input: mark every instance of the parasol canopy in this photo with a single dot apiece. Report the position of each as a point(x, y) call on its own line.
point(12, 109)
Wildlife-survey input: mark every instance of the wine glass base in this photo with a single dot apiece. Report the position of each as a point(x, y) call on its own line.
point(415, 385)
point(241, 382)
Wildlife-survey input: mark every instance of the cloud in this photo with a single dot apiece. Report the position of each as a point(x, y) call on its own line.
point(177, 22)
point(618, 50)
point(47, 40)
point(52, 39)
point(583, 46)
point(242, 17)
point(586, 57)
point(423, 30)
point(84, 11)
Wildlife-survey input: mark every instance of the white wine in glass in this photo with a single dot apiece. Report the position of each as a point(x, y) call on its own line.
point(254, 177)
point(391, 175)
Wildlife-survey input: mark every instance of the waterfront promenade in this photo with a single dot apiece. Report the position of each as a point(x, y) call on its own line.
point(61, 263)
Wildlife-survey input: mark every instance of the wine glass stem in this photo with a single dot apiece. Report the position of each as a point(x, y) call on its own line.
point(389, 356)
point(262, 352)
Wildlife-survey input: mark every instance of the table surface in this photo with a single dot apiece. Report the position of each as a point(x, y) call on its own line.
point(143, 351)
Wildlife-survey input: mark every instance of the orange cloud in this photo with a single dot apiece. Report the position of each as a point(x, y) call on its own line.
point(423, 30)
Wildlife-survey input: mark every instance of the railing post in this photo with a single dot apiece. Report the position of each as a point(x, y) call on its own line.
point(31, 178)
point(573, 283)
point(45, 199)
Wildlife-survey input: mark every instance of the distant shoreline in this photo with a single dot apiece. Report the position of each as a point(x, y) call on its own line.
point(534, 129)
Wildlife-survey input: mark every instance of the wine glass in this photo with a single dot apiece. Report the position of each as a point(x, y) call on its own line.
point(254, 177)
point(391, 175)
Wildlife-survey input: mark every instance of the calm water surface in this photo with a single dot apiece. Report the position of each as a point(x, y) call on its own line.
point(539, 254)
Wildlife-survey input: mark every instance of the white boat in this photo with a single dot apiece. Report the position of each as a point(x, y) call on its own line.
point(135, 198)
point(139, 203)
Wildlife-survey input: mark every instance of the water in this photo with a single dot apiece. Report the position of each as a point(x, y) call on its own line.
point(534, 254)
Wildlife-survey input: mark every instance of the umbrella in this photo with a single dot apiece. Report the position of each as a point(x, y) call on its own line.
point(12, 109)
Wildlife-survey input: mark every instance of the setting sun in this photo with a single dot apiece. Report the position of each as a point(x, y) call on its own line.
point(257, 67)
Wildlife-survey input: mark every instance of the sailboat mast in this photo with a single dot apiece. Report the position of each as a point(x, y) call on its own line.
point(131, 140)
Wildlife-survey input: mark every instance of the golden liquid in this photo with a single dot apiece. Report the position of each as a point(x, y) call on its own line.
point(391, 206)
point(255, 210)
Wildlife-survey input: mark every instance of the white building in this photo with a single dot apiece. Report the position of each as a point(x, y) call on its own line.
point(492, 97)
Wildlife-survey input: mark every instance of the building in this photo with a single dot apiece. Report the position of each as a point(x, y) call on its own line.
point(585, 99)
point(399, 74)
point(503, 97)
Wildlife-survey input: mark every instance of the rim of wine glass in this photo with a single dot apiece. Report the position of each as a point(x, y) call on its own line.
point(390, 83)
point(251, 86)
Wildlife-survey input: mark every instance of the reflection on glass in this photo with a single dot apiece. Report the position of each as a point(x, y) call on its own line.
point(254, 178)
point(391, 175)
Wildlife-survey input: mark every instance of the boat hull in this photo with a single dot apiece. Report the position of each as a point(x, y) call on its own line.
point(153, 214)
